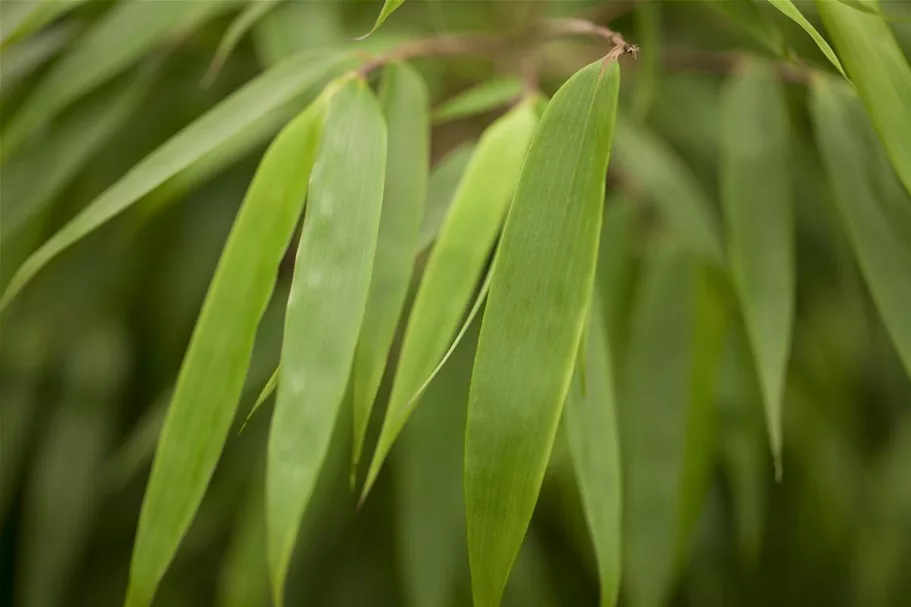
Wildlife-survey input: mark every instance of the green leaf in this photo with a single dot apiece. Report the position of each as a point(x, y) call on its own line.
point(873, 8)
point(243, 109)
point(615, 268)
point(792, 12)
point(428, 486)
point(881, 74)
point(752, 21)
point(23, 59)
point(666, 420)
point(875, 209)
point(34, 178)
point(536, 312)
point(243, 576)
point(121, 37)
point(264, 394)
point(406, 107)
point(22, 19)
point(444, 181)
point(756, 192)
point(649, 34)
point(389, 7)
point(242, 24)
point(591, 429)
point(212, 375)
point(454, 268)
point(61, 498)
point(484, 97)
point(671, 186)
point(325, 310)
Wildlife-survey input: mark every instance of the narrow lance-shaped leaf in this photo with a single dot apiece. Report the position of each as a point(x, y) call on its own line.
point(591, 428)
point(455, 266)
point(788, 8)
point(325, 311)
point(881, 73)
point(244, 575)
point(756, 192)
point(874, 207)
point(482, 98)
point(389, 7)
point(406, 107)
point(243, 109)
point(536, 311)
point(211, 378)
point(22, 19)
point(444, 181)
point(33, 178)
point(671, 186)
point(63, 493)
point(242, 24)
point(24, 58)
point(120, 38)
point(665, 419)
point(442, 186)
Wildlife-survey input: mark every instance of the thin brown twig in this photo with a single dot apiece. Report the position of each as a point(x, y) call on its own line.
point(482, 44)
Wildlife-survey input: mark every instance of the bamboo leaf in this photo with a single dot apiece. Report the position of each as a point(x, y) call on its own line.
point(325, 310)
point(64, 492)
point(23, 59)
point(406, 107)
point(752, 21)
point(756, 193)
point(22, 19)
point(666, 420)
point(243, 23)
point(212, 375)
point(243, 109)
point(788, 8)
point(454, 268)
point(875, 210)
point(873, 8)
point(58, 158)
point(881, 74)
point(244, 575)
point(122, 36)
point(484, 97)
point(591, 430)
point(536, 311)
point(671, 186)
point(389, 7)
point(428, 462)
point(444, 181)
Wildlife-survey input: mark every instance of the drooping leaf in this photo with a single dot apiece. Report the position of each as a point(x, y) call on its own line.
point(536, 311)
point(242, 24)
point(756, 192)
point(444, 181)
point(22, 19)
point(244, 575)
point(752, 21)
point(245, 108)
point(649, 32)
point(120, 38)
point(389, 7)
point(63, 491)
point(788, 8)
point(23, 59)
point(671, 186)
point(212, 375)
point(666, 420)
point(484, 97)
point(881, 73)
point(325, 311)
point(615, 268)
point(33, 178)
point(875, 209)
point(455, 266)
point(428, 464)
point(591, 427)
point(406, 108)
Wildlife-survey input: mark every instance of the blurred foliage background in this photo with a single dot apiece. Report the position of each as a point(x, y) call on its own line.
point(91, 348)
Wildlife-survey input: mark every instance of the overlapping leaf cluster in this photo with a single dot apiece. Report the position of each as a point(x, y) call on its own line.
point(583, 318)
